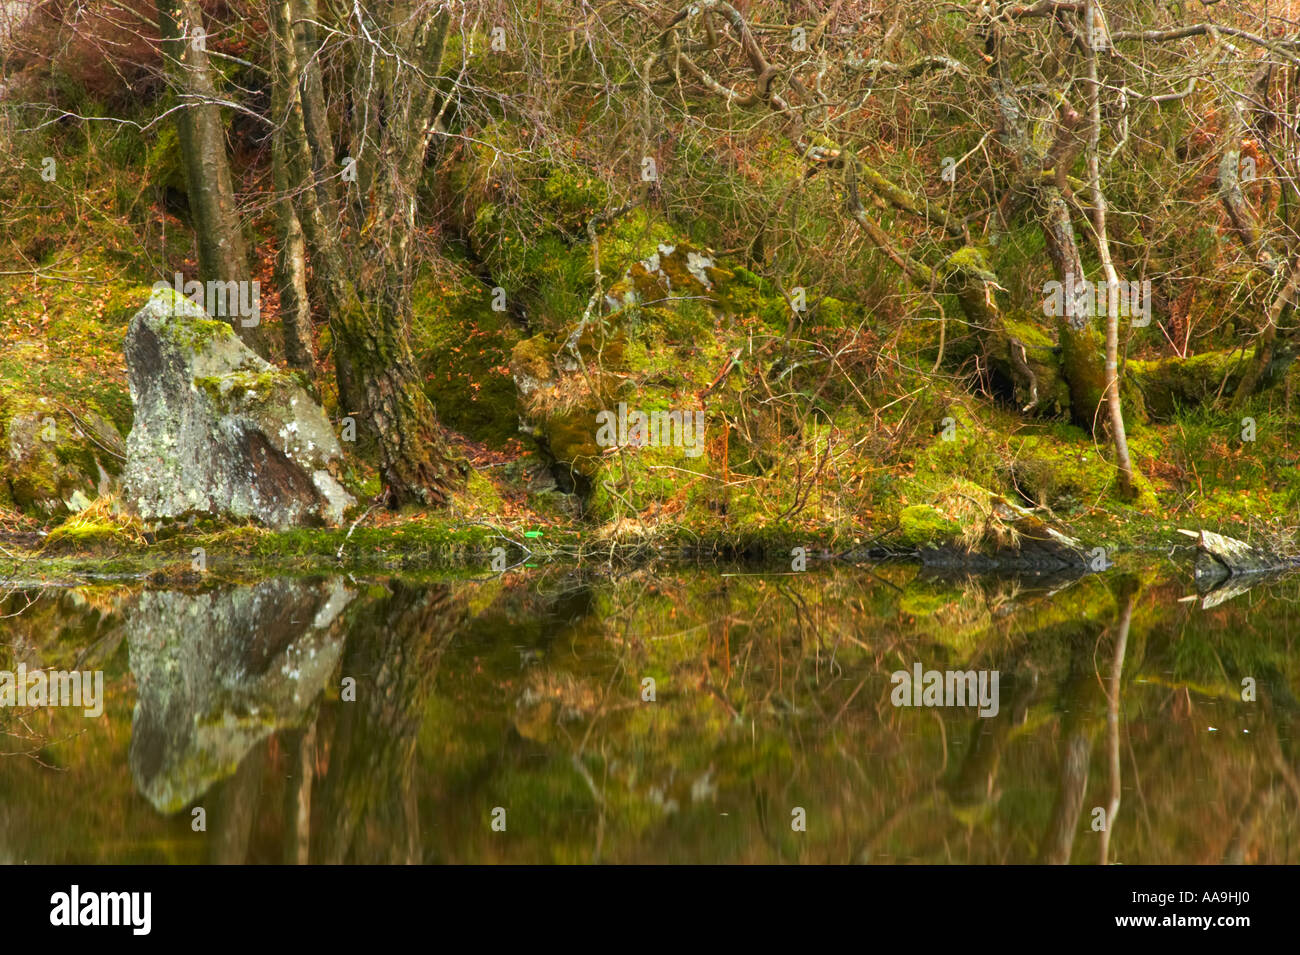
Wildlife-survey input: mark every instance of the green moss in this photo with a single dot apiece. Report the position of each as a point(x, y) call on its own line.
point(1042, 356)
point(479, 495)
point(196, 334)
point(921, 525)
point(164, 165)
point(535, 358)
point(1083, 364)
point(464, 350)
point(971, 261)
point(961, 447)
point(675, 270)
point(652, 482)
point(747, 293)
point(834, 313)
point(574, 198)
point(73, 376)
point(1171, 384)
point(571, 439)
point(46, 459)
point(241, 389)
point(1059, 475)
point(77, 455)
point(1030, 334)
point(88, 534)
point(1084, 369)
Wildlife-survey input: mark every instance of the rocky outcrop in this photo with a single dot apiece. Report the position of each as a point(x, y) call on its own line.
point(565, 381)
point(218, 430)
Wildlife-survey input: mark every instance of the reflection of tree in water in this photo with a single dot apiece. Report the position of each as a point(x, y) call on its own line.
point(1078, 727)
point(45, 627)
point(366, 807)
point(1110, 687)
point(1081, 694)
point(1075, 687)
point(16, 736)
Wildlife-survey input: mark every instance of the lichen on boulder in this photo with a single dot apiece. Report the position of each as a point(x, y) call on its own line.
point(219, 431)
point(674, 269)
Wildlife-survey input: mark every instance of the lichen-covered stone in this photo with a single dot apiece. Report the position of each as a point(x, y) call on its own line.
point(673, 269)
point(218, 430)
point(48, 460)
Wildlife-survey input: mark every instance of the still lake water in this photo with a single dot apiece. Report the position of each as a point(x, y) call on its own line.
point(421, 719)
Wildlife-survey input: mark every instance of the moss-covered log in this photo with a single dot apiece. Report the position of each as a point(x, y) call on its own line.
point(1168, 384)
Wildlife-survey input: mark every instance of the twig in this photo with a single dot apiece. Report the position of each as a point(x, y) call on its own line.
point(339, 555)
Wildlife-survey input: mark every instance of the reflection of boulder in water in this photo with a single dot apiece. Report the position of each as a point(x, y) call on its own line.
point(1227, 567)
point(220, 670)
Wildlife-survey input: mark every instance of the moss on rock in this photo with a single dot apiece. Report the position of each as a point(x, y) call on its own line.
point(922, 525)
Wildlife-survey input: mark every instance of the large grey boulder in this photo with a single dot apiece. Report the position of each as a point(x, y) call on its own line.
point(218, 430)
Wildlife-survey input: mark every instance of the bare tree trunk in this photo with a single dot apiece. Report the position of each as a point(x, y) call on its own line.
point(223, 253)
point(1122, 462)
point(1264, 349)
point(1242, 217)
point(303, 19)
point(308, 179)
